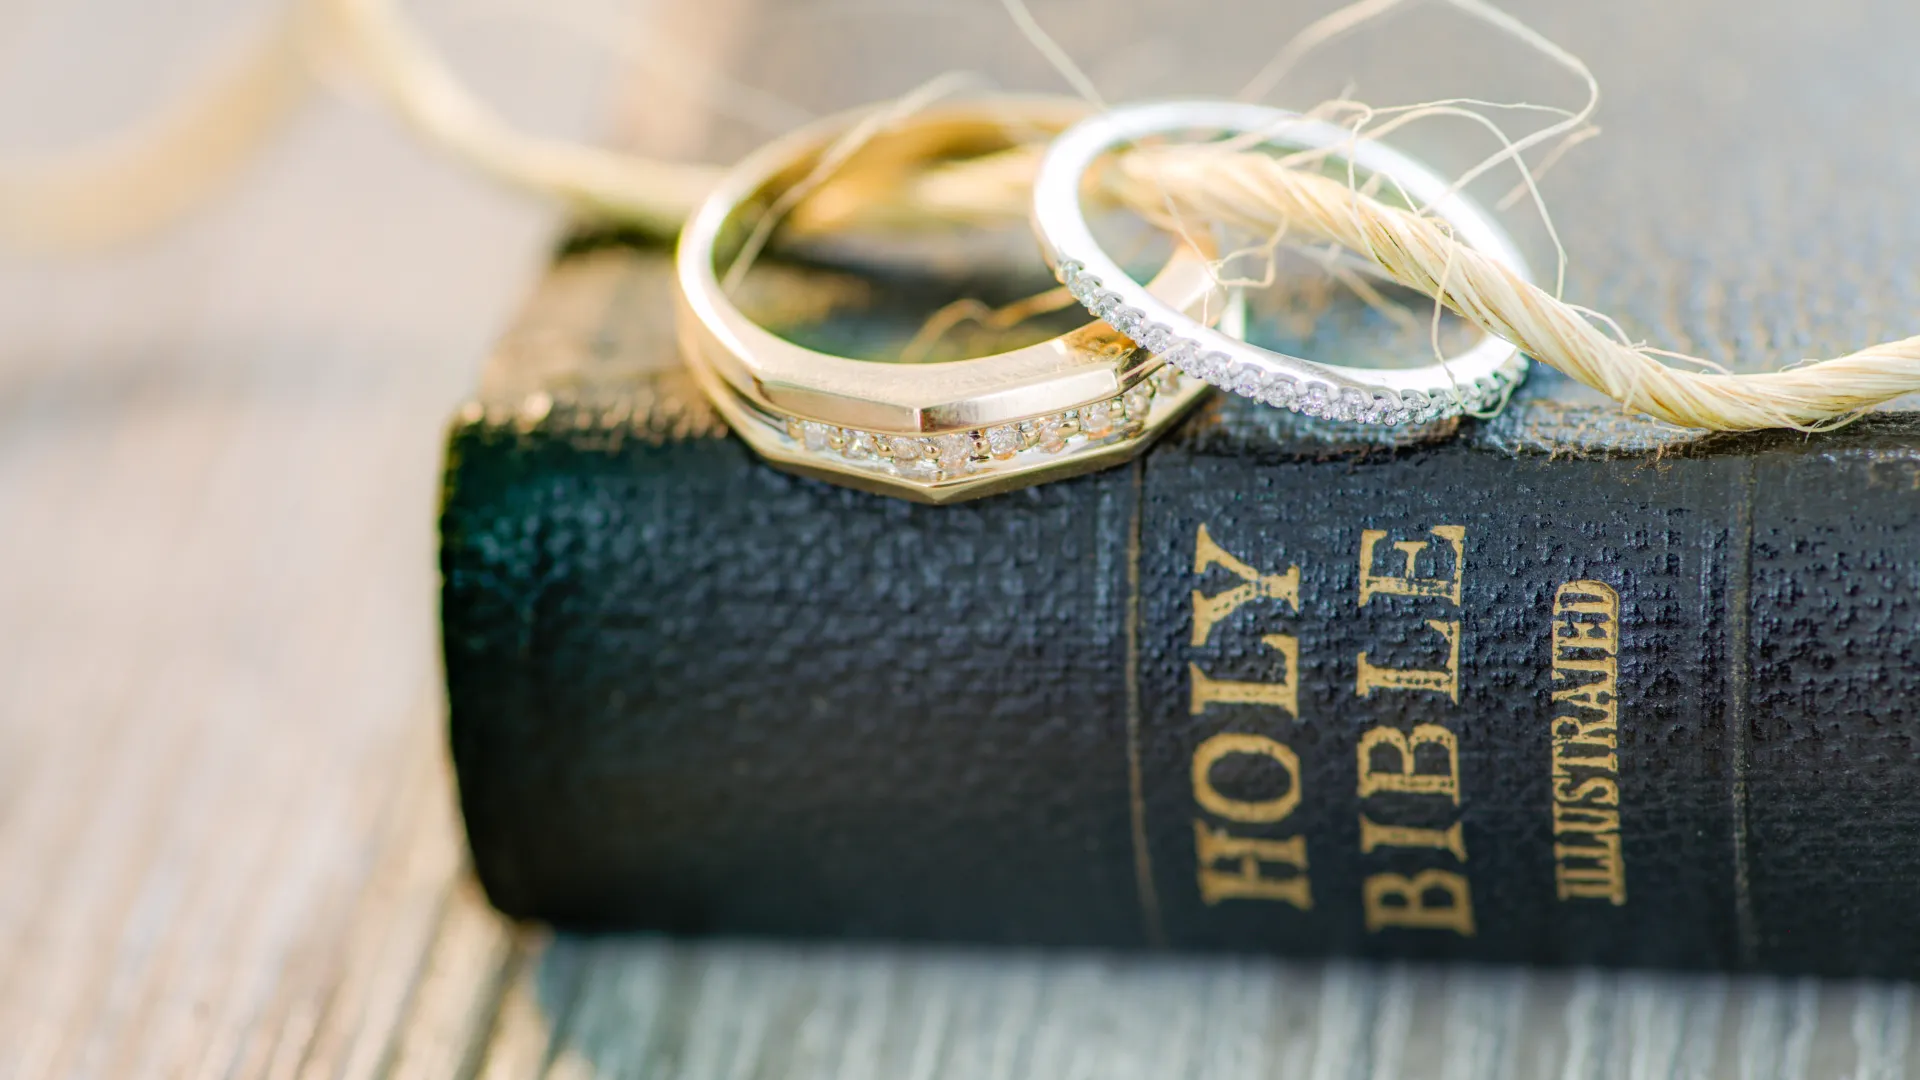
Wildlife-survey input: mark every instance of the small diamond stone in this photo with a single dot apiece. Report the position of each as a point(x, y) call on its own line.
point(816, 437)
point(1097, 419)
point(953, 452)
point(1138, 401)
point(1181, 356)
point(917, 468)
point(1314, 401)
point(906, 448)
point(1281, 391)
point(1245, 379)
point(1104, 304)
point(1157, 339)
point(1084, 288)
point(1050, 433)
point(1415, 403)
point(1129, 321)
point(1212, 366)
point(1382, 408)
point(1068, 270)
point(861, 444)
point(1004, 441)
point(1354, 404)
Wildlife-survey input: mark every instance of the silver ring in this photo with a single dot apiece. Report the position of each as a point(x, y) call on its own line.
point(1476, 380)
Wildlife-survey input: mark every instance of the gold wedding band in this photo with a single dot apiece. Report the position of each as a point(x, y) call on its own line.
point(931, 432)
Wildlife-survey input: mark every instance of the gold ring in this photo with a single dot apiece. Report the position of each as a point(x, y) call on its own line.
point(932, 432)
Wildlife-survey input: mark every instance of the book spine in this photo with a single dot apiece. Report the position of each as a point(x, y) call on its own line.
point(1434, 700)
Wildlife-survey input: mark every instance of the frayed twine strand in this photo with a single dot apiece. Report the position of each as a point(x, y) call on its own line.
point(115, 192)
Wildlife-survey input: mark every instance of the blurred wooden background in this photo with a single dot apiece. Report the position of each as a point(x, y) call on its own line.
point(227, 841)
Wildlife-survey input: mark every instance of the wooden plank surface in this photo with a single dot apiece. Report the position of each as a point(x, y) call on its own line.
point(227, 839)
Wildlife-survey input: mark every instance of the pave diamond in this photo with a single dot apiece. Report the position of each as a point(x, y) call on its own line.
point(1256, 380)
point(1314, 402)
point(934, 458)
point(1129, 321)
point(1354, 404)
point(1245, 379)
point(1050, 434)
point(953, 452)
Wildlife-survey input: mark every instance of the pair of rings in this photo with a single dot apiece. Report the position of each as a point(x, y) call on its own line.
point(955, 430)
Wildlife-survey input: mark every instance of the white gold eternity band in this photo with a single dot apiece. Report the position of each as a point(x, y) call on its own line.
point(1476, 380)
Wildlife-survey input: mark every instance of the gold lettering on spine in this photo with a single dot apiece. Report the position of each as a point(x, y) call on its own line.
point(1375, 835)
point(1226, 744)
point(1594, 790)
point(1445, 680)
point(1428, 900)
point(1248, 859)
point(1230, 864)
point(1584, 819)
point(1209, 610)
point(1407, 582)
point(1404, 778)
point(1581, 872)
point(1572, 731)
point(1399, 769)
point(1587, 859)
point(1283, 695)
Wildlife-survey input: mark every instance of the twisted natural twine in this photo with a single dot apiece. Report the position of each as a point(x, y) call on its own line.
point(110, 193)
point(1259, 193)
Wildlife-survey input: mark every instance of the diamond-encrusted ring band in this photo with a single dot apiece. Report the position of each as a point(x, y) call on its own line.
point(1476, 380)
point(934, 432)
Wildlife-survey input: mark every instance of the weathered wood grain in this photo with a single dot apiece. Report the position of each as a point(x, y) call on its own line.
point(227, 843)
point(227, 846)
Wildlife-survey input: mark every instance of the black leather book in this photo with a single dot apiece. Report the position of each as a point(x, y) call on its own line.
point(1558, 687)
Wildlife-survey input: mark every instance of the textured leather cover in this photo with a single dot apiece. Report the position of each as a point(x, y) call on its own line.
point(691, 693)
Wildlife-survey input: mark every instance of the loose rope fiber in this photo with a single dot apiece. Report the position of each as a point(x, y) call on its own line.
point(1259, 193)
point(115, 192)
